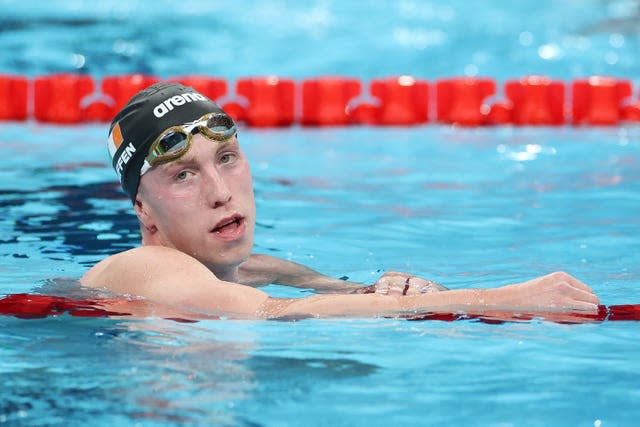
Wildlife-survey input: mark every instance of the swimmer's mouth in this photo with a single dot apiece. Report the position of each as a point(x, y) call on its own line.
point(228, 224)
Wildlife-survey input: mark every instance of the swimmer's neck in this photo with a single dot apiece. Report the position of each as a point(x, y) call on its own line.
point(229, 274)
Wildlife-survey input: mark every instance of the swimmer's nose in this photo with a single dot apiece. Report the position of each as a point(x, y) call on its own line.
point(216, 191)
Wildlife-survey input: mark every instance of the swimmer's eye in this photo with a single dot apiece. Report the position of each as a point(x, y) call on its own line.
point(227, 158)
point(181, 176)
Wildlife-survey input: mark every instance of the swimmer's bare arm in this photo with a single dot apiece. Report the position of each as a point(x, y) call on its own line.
point(185, 282)
point(260, 270)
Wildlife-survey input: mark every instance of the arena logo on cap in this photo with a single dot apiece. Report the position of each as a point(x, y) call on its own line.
point(176, 101)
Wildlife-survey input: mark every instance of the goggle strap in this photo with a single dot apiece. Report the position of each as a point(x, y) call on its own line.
point(145, 167)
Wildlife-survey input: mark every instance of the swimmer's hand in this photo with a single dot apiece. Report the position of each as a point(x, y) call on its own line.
point(402, 284)
point(557, 291)
point(553, 292)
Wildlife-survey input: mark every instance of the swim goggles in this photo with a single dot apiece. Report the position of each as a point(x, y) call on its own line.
point(175, 141)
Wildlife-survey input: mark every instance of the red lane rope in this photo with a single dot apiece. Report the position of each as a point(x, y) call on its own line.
point(34, 306)
point(272, 101)
point(628, 312)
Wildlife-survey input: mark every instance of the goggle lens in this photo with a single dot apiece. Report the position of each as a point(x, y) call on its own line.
point(171, 142)
point(218, 127)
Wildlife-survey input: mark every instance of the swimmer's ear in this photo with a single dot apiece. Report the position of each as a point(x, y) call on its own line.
point(143, 215)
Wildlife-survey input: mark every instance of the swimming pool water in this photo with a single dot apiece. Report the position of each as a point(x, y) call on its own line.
point(466, 207)
point(239, 38)
point(401, 204)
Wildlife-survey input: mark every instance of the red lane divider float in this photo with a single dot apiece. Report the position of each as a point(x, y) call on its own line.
point(271, 101)
point(325, 100)
point(212, 88)
point(400, 101)
point(34, 306)
point(462, 100)
point(13, 97)
point(536, 100)
point(57, 98)
point(121, 88)
point(627, 312)
point(598, 100)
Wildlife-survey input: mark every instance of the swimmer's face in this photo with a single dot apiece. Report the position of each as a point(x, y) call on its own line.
point(202, 204)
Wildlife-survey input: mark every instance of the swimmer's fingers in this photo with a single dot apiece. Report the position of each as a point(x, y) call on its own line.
point(576, 289)
point(583, 306)
point(392, 283)
point(426, 285)
point(584, 296)
point(579, 284)
point(576, 298)
point(561, 276)
point(395, 283)
point(418, 285)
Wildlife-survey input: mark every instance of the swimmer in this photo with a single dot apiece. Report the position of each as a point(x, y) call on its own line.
point(178, 159)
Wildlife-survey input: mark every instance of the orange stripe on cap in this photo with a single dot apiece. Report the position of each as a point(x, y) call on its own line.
point(116, 135)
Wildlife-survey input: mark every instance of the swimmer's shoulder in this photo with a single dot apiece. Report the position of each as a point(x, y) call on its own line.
point(130, 270)
point(167, 276)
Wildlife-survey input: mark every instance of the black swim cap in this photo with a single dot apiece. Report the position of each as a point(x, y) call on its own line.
point(147, 115)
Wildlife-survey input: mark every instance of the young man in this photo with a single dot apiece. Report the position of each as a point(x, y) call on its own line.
point(177, 156)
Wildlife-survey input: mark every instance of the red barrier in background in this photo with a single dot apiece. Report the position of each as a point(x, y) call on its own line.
point(212, 88)
point(122, 88)
point(598, 100)
point(98, 111)
point(58, 97)
point(500, 113)
point(461, 100)
point(325, 100)
point(536, 100)
point(631, 113)
point(271, 101)
point(13, 97)
point(402, 101)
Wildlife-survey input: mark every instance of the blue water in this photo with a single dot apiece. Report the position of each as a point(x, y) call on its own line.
point(466, 207)
point(429, 39)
